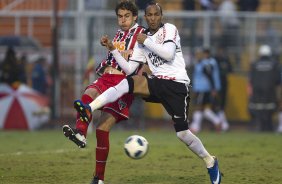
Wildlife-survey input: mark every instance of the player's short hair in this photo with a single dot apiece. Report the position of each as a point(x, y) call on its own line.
point(127, 5)
point(206, 50)
point(154, 3)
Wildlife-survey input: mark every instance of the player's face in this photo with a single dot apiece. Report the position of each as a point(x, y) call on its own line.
point(153, 17)
point(125, 19)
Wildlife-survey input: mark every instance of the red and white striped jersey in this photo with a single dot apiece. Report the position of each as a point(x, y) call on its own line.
point(123, 40)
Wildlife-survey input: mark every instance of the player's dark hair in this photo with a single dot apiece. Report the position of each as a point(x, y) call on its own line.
point(154, 3)
point(127, 5)
point(206, 50)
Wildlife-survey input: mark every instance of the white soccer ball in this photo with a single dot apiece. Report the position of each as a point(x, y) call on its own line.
point(136, 146)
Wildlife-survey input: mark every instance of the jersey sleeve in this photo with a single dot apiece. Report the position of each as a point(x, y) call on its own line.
point(138, 55)
point(127, 67)
point(171, 33)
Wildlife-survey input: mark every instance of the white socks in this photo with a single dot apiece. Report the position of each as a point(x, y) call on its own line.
point(279, 129)
point(197, 121)
point(196, 146)
point(224, 122)
point(110, 95)
point(211, 116)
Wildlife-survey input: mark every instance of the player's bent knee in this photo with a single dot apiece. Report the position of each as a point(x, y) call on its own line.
point(180, 126)
point(130, 84)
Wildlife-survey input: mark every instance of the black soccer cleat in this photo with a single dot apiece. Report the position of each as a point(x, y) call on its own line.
point(75, 136)
point(84, 110)
point(96, 180)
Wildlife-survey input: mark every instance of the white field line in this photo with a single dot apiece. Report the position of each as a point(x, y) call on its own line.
point(58, 151)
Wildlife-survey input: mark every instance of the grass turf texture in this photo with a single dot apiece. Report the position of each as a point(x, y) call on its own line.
point(48, 157)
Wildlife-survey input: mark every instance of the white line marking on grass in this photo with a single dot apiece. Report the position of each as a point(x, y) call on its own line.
point(58, 151)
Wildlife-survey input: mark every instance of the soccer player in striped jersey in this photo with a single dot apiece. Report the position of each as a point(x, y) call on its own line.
point(110, 74)
point(167, 85)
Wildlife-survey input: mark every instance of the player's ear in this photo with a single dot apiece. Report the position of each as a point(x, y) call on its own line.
point(135, 18)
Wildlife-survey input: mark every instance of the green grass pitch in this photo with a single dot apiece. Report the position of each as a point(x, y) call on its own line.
point(48, 157)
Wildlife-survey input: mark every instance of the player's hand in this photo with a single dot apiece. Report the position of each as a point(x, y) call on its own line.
point(141, 38)
point(126, 54)
point(106, 42)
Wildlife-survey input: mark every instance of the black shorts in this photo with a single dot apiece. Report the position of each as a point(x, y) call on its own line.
point(202, 98)
point(175, 98)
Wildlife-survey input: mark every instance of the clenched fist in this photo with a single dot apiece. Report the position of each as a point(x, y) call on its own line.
point(107, 43)
point(141, 38)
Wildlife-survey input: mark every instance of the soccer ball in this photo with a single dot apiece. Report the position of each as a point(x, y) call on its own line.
point(136, 146)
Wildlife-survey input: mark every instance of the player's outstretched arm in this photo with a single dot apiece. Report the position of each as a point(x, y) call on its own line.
point(165, 51)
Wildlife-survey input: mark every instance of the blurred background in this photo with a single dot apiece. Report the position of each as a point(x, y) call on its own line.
point(49, 50)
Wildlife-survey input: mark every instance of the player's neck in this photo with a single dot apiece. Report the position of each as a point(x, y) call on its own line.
point(153, 31)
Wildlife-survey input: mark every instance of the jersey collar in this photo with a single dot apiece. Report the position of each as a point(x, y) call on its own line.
point(133, 27)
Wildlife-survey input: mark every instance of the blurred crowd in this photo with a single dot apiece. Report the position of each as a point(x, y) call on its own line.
point(210, 84)
point(15, 71)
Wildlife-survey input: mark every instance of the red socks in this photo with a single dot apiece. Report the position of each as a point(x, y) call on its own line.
point(103, 145)
point(81, 125)
point(102, 151)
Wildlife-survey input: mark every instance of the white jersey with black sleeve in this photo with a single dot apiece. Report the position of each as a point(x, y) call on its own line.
point(162, 51)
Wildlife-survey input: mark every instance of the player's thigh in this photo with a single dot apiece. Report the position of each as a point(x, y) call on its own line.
point(141, 86)
point(106, 121)
point(92, 92)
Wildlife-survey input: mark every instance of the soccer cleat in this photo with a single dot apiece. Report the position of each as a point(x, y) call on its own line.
point(215, 175)
point(224, 127)
point(75, 136)
point(84, 110)
point(96, 180)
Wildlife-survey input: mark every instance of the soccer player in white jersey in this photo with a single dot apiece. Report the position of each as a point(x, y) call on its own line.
point(160, 48)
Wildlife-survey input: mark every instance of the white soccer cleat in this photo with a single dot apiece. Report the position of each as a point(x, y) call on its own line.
point(75, 136)
point(96, 180)
point(224, 127)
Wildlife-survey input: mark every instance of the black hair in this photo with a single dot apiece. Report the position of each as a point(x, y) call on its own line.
point(156, 4)
point(206, 50)
point(127, 5)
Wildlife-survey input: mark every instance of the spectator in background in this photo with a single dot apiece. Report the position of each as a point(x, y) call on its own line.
point(230, 28)
point(142, 4)
point(207, 5)
point(10, 69)
point(189, 25)
point(264, 81)
point(225, 68)
point(272, 37)
point(22, 62)
point(205, 85)
point(39, 76)
point(188, 5)
point(248, 5)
